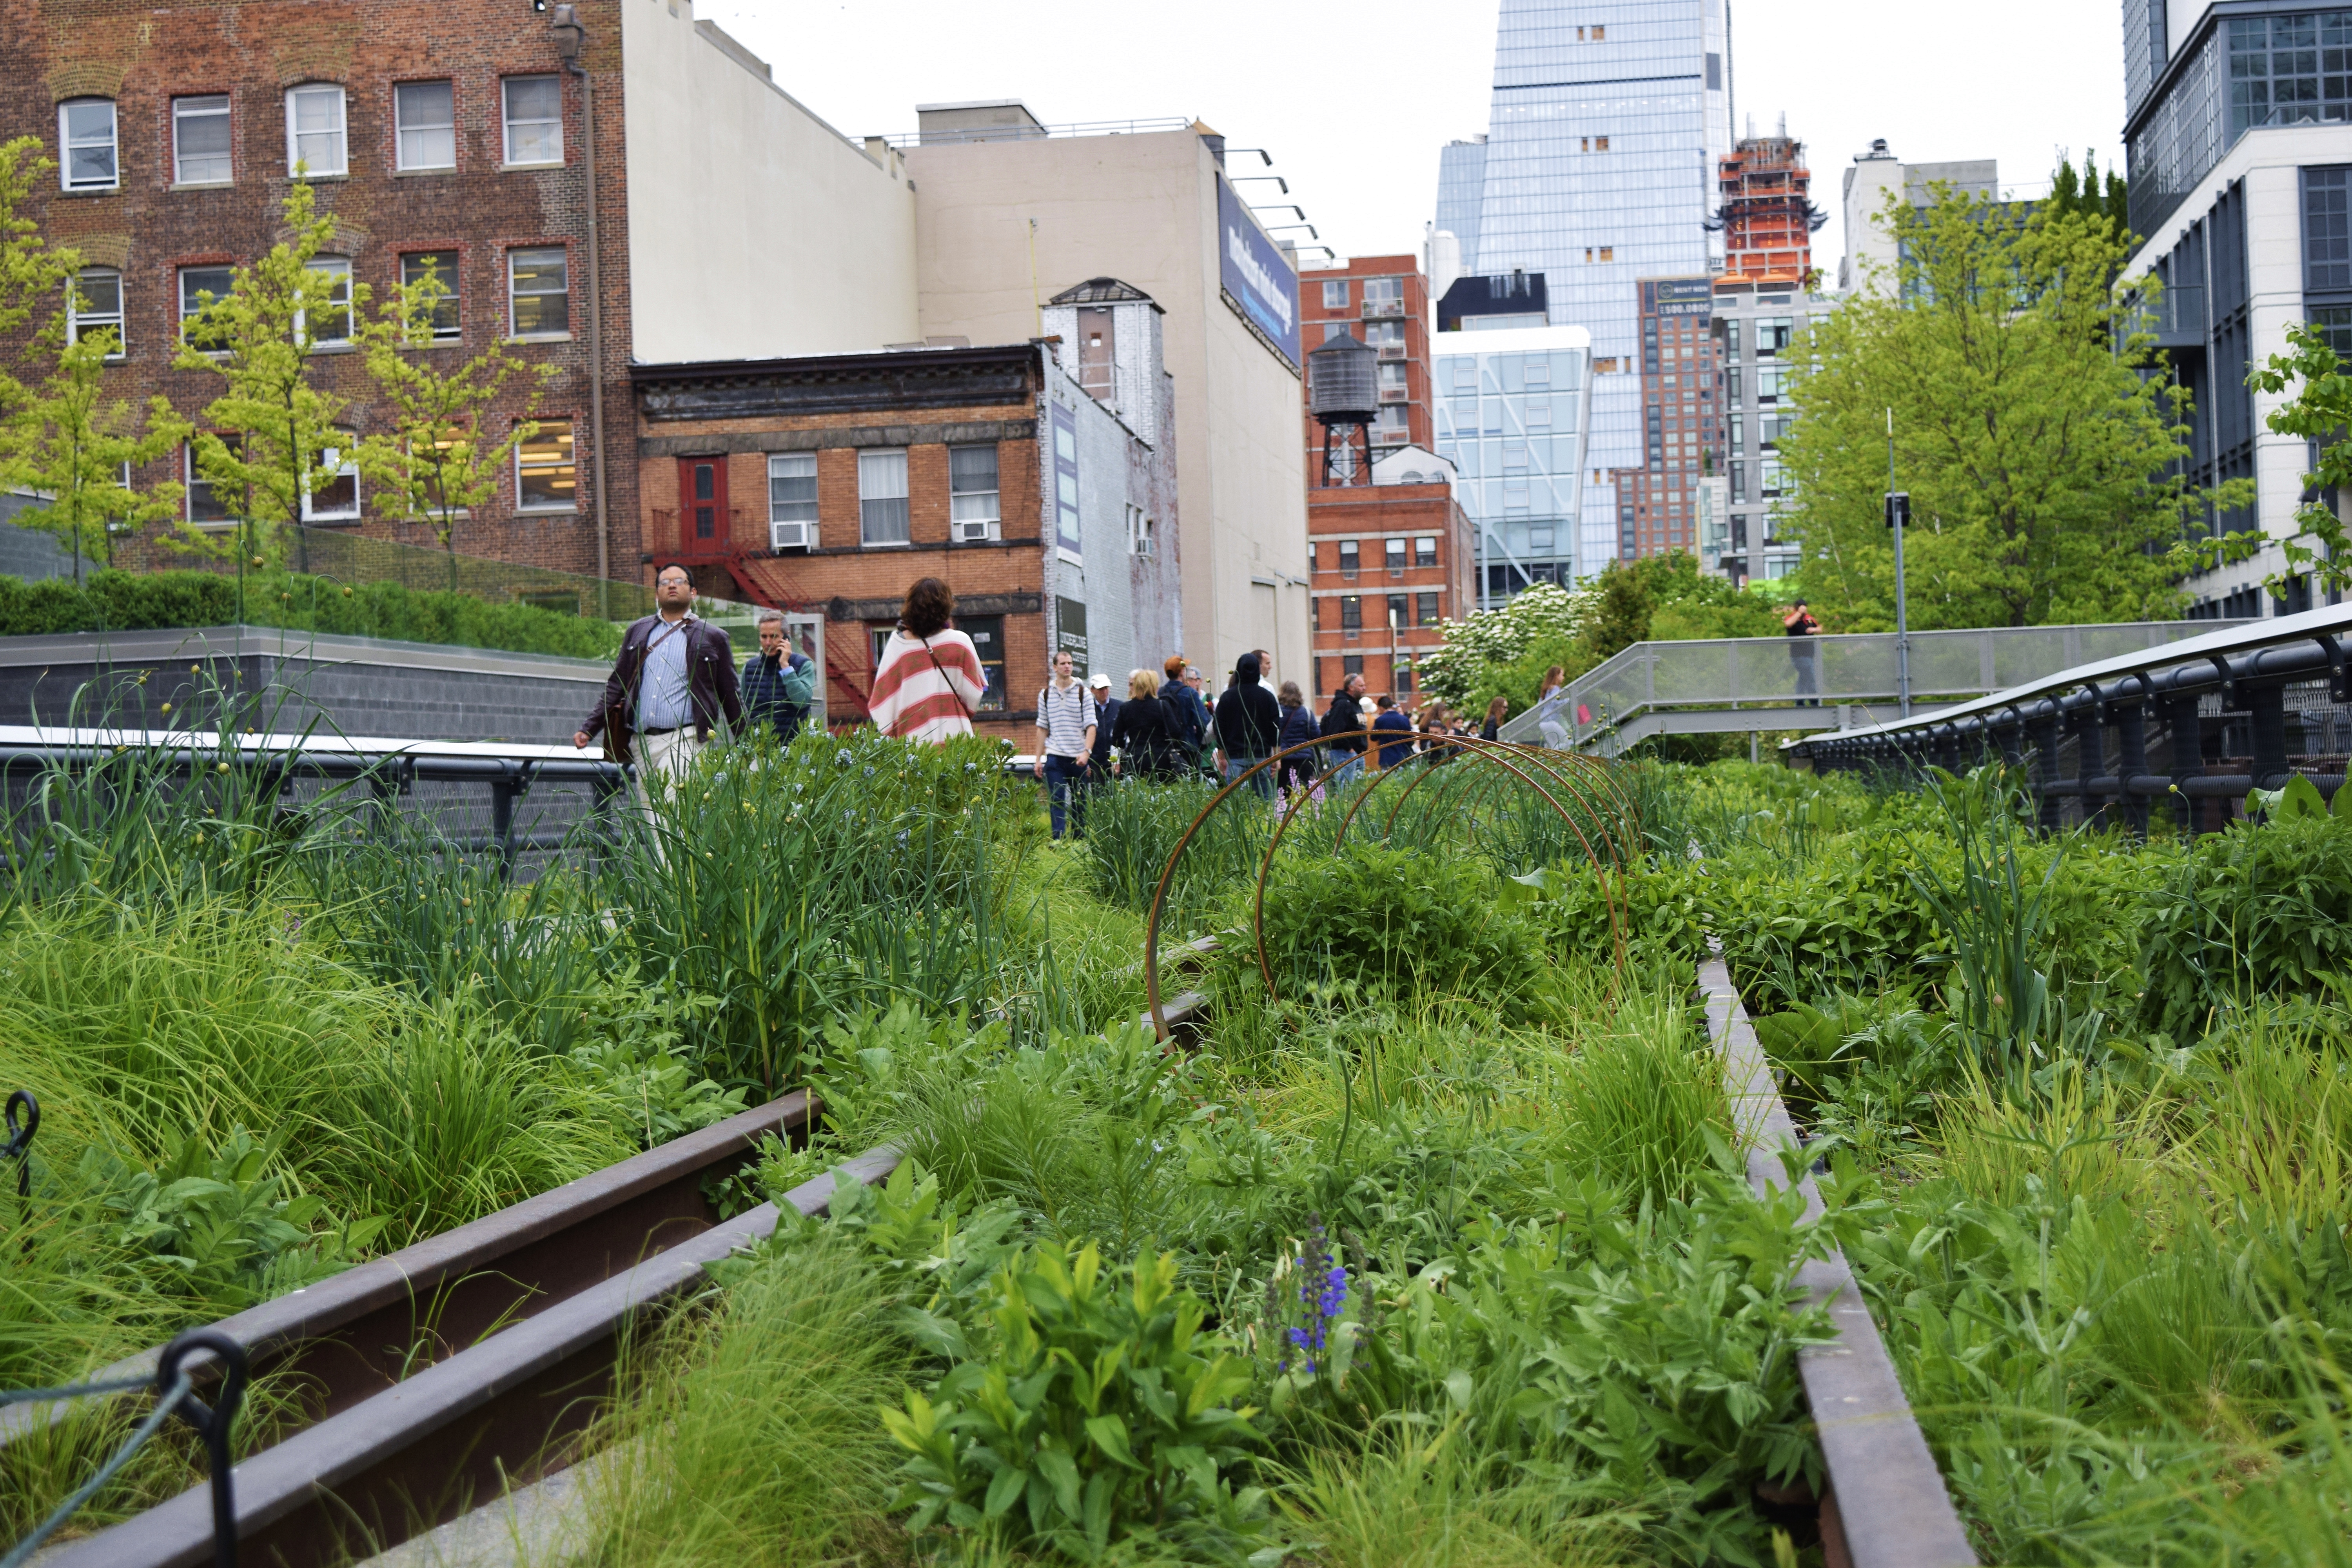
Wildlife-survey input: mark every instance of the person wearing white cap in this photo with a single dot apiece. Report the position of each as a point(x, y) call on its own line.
point(1107, 709)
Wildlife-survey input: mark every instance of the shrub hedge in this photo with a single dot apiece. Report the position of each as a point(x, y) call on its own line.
point(129, 602)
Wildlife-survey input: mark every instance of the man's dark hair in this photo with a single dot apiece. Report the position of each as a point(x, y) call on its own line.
point(1385, 702)
point(930, 604)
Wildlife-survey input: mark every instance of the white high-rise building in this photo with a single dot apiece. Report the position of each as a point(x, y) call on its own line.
point(1598, 170)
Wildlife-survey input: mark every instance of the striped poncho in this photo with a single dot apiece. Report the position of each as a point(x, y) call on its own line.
point(925, 689)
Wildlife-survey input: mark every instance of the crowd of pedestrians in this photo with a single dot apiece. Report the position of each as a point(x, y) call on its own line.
point(676, 682)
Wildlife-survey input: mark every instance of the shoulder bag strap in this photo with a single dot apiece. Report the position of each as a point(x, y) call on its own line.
point(948, 679)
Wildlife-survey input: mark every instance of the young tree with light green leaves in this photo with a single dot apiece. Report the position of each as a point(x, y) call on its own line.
point(273, 436)
point(2320, 411)
point(440, 460)
point(76, 447)
point(2033, 428)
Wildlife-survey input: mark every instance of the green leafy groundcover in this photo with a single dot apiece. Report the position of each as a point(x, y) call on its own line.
point(127, 602)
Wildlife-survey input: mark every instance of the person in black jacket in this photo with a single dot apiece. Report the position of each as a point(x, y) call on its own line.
point(1299, 768)
point(1144, 731)
point(1343, 727)
point(1247, 723)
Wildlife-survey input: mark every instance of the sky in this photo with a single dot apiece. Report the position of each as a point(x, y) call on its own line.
point(1354, 101)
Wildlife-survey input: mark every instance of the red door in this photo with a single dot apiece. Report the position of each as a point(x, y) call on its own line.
point(702, 505)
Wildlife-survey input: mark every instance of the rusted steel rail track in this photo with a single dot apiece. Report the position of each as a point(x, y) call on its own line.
point(1886, 1505)
point(469, 1365)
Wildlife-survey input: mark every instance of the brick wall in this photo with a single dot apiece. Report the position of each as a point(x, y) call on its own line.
point(1372, 515)
point(144, 54)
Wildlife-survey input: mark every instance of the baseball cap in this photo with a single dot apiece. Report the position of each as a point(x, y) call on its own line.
point(1101, 679)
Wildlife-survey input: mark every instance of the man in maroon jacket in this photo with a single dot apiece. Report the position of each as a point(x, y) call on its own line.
point(673, 680)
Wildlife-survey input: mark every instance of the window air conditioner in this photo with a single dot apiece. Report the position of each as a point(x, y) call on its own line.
point(972, 530)
point(791, 536)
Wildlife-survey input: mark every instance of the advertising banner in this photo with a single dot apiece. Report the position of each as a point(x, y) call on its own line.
point(1258, 279)
point(1070, 632)
point(1685, 297)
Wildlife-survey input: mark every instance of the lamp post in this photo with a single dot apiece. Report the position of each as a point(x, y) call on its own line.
point(1898, 512)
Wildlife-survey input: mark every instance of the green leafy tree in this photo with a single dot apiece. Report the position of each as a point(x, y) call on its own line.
point(2320, 411)
point(2033, 427)
point(439, 461)
point(274, 436)
point(74, 445)
point(2086, 193)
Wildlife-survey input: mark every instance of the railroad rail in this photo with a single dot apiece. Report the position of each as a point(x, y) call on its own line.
point(452, 1370)
point(2215, 708)
point(1886, 1505)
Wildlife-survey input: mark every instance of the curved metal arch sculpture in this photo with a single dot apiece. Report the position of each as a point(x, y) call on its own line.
point(1612, 812)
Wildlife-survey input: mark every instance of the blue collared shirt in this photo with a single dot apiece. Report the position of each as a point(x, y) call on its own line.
point(662, 702)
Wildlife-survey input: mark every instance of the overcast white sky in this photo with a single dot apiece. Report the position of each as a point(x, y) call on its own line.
point(1354, 99)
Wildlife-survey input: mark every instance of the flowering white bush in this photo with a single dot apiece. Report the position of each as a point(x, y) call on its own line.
point(1501, 635)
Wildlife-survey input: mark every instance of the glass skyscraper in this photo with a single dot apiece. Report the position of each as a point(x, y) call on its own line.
point(1598, 170)
point(1510, 406)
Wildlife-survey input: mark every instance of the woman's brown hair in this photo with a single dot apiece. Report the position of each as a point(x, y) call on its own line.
point(1496, 709)
point(929, 605)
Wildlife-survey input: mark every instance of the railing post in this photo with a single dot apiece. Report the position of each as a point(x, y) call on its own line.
point(2090, 729)
point(2043, 730)
point(2268, 706)
point(2131, 759)
point(2187, 730)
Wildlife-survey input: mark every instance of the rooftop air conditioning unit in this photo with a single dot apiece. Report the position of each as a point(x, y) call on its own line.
point(972, 530)
point(792, 535)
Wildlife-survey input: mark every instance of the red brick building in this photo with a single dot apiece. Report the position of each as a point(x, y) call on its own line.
point(453, 136)
point(1390, 560)
point(828, 485)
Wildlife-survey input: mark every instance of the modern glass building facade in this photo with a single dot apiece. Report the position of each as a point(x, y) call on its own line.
point(1600, 169)
point(1461, 186)
point(1512, 411)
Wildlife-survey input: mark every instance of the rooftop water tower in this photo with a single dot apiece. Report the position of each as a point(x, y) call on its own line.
point(1343, 392)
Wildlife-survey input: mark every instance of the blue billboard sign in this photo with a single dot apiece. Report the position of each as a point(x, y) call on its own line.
point(1257, 278)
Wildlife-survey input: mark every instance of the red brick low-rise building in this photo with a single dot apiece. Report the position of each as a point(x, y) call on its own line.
point(1393, 561)
point(827, 485)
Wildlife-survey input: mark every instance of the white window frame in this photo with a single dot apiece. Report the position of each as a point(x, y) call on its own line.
point(78, 320)
point(1431, 552)
point(345, 463)
point(180, 114)
point(875, 472)
point(517, 254)
point(325, 92)
point(401, 130)
point(508, 122)
point(66, 144)
point(1335, 294)
point(796, 461)
point(456, 331)
point(191, 480)
point(959, 514)
point(549, 508)
point(180, 282)
point(331, 266)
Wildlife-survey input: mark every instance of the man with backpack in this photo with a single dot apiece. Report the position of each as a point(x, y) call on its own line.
point(1343, 727)
point(779, 682)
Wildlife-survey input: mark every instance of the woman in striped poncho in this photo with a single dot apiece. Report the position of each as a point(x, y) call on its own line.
point(930, 680)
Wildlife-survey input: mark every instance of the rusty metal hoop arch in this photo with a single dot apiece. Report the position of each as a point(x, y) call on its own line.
point(1498, 752)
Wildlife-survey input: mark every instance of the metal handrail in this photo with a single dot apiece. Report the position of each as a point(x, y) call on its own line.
point(1825, 671)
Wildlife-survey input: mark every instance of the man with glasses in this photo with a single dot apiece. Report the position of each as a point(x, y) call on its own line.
point(673, 680)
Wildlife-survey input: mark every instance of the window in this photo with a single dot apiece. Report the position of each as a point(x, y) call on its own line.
point(1138, 532)
point(440, 273)
point(1424, 609)
point(1538, 413)
point(1351, 612)
point(1388, 426)
point(1601, 143)
point(539, 297)
point(2334, 323)
point(1772, 334)
point(86, 138)
point(1393, 551)
point(972, 502)
point(1096, 353)
point(1768, 477)
point(1399, 604)
point(1392, 386)
point(534, 117)
point(1598, 34)
point(336, 500)
point(1351, 664)
point(206, 509)
point(333, 327)
point(2328, 228)
point(1334, 295)
point(1337, 329)
point(314, 130)
point(96, 307)
point(1769, 379)
point(987, 634)
point(547, 476)
point(1607, 253)
point(1424, 551)
point(200, 151)
point(425, 116)
point(791, 500)
point(1384, 296)
point(1405, 676)
point(1388, 337)
point(199, 286)
point(882, 498)
point(1350, 557)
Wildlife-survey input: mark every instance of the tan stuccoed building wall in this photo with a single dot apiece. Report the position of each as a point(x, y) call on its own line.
point(1142, 208)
